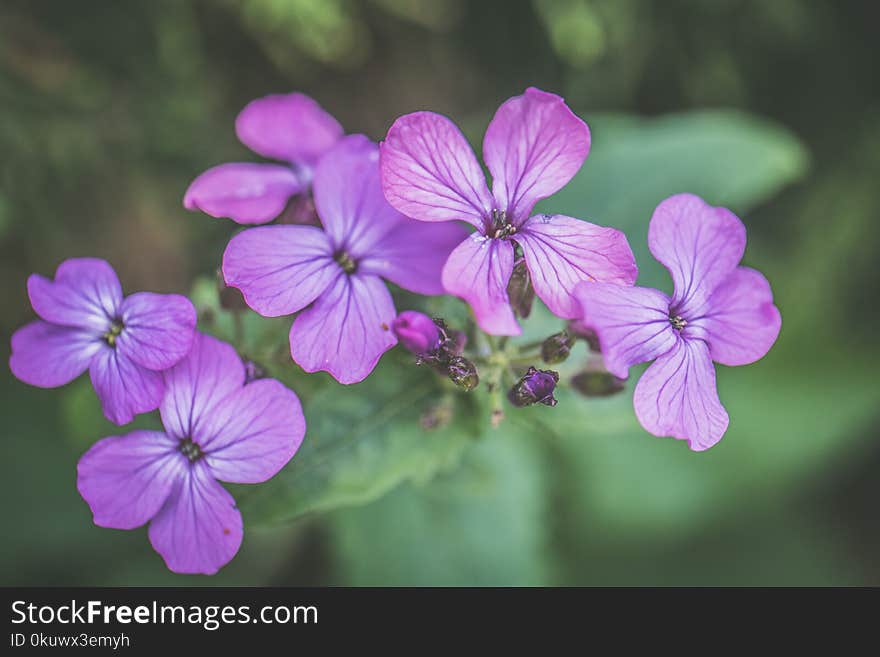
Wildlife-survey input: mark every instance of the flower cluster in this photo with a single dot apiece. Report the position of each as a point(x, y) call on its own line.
point(345, 216)
point(144, 353)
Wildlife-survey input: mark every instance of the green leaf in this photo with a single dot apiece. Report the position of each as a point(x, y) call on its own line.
point(726, 157)
point(364, 439)
point(481, 525)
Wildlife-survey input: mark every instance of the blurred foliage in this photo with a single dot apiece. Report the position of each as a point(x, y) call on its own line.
point(109, 108)
point(371, 438)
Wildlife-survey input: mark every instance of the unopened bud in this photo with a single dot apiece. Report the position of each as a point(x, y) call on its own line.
point(536, 387)
point(587, 334)
point(556, 348)
point(597, 383)
point(520, 290)
point(416, 331)
point(463, 373)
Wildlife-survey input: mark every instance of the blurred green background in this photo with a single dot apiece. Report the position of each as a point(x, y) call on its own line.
point(109, 108)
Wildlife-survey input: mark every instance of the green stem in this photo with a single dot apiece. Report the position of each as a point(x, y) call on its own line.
point(530, 346)
point(524, 361)
point(496, 396)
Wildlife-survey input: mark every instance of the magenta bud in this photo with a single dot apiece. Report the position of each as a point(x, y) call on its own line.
point(417, 332)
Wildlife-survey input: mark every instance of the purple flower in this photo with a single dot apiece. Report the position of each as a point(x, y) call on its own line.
point(216, 428)
point(282, 269)
point(719, 311)
point(292, 128)
point(533, 147)
point(86, 324)
point(416, 331)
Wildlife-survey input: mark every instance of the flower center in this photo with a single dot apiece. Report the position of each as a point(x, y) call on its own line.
point(500, 228)
point(113, 332)
point(349, 266)
point(677, 322)
point(190, 450)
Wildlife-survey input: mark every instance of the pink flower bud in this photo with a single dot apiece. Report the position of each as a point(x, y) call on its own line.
point(416, 331)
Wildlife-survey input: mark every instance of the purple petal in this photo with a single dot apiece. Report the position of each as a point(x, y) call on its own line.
point(290, 127)
point(478, 271)
point(561, 252)
point(676, 396)
point(253, 434)
point(159, 329)
point(49, 356)
point(413, 253)
point(533, 147)
point(740, 319)
point(126, 480)
point(85, 293)
point(196, 385)
point(349, 198)
point(199, 529)
point(125, 388)
point(632, 323)
point(347, 330)
point(430, 172)
point(245, 192)
point(699, 244)
point(279, 269)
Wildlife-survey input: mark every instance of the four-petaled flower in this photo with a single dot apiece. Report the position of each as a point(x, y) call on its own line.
point(339, 270)
point(719, 311)
point(532, 147)
point(292, 128)
point(86, 324)
point(217, 427)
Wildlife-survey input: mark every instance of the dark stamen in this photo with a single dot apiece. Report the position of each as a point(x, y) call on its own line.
point(190, 450)
point(501, 228)
point(349, 266)
point(114, 332)
point(677, 322)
